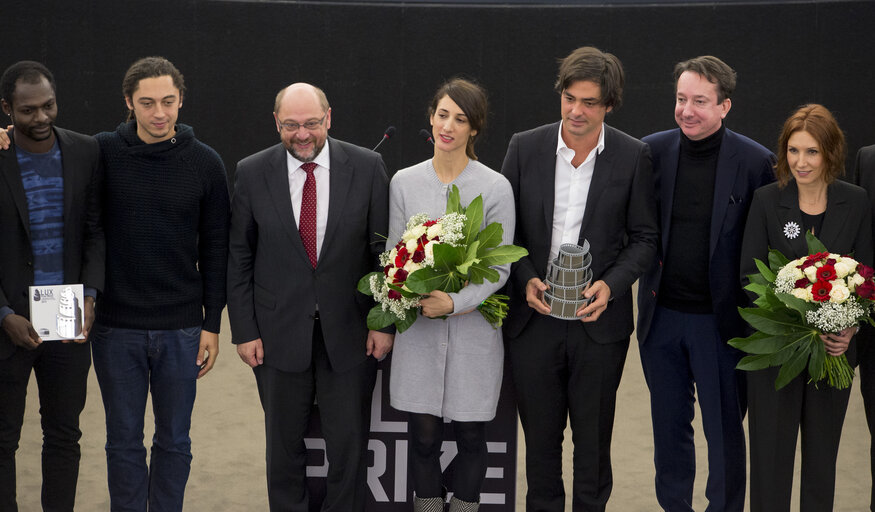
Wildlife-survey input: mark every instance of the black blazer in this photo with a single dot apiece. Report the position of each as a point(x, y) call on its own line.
point(847, 228)
point(864, 176)
point(84, 247)
point(742, 167)
point(864, 172)
point(847, 225)
point(619, 222)
point(272, 288)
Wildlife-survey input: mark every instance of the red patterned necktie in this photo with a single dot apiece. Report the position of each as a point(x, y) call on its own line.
point(307, 221)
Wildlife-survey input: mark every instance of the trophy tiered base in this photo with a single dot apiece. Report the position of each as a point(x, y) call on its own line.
point(568, 276)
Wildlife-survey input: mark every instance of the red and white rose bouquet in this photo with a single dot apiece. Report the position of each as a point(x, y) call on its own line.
point(439, 254)
point(798, 301)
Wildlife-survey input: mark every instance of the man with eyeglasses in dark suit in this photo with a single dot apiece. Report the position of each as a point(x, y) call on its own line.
point(306, 214)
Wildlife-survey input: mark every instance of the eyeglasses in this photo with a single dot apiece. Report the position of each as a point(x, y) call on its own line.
point(309, 125)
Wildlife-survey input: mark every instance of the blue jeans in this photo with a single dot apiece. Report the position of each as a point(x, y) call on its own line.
point(128, 362)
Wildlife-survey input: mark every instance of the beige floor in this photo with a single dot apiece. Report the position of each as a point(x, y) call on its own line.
point(228, 446)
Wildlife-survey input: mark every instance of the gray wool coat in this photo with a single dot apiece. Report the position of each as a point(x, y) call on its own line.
point(450, 367)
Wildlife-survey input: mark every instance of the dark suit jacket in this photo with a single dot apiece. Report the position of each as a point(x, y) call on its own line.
point(847, 227)
point(864, 176)
point(864, 172)
point(742, 167)
point(83, 235)
point(619, 222)
point(272, 288)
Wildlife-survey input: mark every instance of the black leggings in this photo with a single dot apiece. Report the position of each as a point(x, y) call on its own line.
point(469, 466)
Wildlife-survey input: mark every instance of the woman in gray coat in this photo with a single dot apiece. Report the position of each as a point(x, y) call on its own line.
point(450, 367)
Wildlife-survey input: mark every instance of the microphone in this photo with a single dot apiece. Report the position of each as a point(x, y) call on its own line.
point(425, 135)
point(390, 131)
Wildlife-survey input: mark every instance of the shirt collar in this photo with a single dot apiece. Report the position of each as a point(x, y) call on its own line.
point(323, 159)
point(561, 147)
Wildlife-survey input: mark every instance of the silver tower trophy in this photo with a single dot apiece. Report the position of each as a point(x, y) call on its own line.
point(568, 276)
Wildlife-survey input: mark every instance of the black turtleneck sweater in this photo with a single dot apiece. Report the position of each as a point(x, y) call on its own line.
point(685, 284)
point(166, 218)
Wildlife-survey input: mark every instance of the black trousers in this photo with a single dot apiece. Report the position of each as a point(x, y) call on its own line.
point(559, 372)
point(775, 419)
point(344, 402)
point(866, 357)
point(61, 374)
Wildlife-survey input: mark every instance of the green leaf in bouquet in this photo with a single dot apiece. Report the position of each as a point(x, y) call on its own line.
point(777, 260)
point(454, 203)
point(402, 291)
point(503, 254)
point(791, 368)
point(379, 319)
point(734, 342)
point(470, 258)
point(798, 341)
point(473, 219)
point(765, 271)
point(757, 279)
point(796, 304)
point(814, 245)
point(755, 362)
point(781, 322)
point(760, 343)
point(448, 257)
point(429, 279)
point(409, 318)
point(768, 300)
point(490, 237)
point(478, 272)
point(364, 284)
point(757, 288)
point(815, 363)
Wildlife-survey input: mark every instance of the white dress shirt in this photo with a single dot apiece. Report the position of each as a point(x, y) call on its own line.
point(297, 177)
point(572, 187)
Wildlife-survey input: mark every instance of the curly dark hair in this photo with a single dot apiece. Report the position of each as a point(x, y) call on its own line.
point(150, 67)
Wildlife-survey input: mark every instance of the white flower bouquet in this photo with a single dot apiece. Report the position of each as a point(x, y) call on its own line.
point(439, 254)
point(797, 302)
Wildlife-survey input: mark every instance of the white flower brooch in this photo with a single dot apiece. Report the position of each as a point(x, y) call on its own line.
point(791, 230)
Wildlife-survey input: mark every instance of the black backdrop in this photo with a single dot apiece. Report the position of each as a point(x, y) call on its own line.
point(379, 63)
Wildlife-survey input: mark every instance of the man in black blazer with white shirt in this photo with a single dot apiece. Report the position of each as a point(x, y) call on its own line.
point(576, 180)
point(48, 176)
point(297, 250)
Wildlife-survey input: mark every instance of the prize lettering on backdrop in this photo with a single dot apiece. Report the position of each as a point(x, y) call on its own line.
point(389, 485)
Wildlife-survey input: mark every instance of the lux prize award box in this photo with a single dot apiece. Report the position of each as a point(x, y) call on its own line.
point(56, 311)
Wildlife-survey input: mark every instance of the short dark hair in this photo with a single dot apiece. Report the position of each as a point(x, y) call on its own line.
point(471, 98)
point(819, 122)
point(714, 70)
point(28, 71)
point(150, 67)
point(591, 64)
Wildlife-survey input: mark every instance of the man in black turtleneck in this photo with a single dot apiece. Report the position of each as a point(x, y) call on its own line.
point(705, 176)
